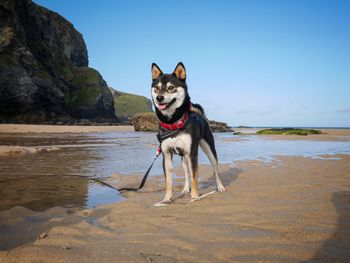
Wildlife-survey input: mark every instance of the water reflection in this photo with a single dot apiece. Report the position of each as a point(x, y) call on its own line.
point(62, 177)
point(265, 149)
point(38, 192)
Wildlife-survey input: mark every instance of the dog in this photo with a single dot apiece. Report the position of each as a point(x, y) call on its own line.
point(182, 129)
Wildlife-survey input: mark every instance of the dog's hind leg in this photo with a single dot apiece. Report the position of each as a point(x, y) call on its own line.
point(211, 154)
point(192, 161)
point(186, 188)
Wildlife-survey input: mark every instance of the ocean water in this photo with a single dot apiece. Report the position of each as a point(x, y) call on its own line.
point(60, 167)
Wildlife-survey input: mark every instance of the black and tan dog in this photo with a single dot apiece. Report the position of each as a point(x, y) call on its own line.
point(183, 128)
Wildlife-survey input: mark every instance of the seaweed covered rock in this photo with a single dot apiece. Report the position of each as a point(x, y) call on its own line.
point(44, 73)
point(288, 131)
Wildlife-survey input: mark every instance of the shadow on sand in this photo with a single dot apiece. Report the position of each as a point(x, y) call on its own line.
point(227, 177)
point(337, 247)
point(31, 224)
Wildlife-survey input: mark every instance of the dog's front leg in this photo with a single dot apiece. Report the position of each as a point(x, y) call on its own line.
point(186, 188)
point(168, 169)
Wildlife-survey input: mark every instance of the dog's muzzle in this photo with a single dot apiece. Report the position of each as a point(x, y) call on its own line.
point(164, 106)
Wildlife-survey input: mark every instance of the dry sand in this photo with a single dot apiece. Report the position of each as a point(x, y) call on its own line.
point(291, 210)
point(31, 128)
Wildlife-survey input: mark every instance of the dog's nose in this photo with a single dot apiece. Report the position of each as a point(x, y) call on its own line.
point(160, 98)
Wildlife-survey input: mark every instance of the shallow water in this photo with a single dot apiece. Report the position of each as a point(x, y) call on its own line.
point(59, 169)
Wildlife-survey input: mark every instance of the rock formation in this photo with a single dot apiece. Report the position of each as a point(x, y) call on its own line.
point(44, 73)
point(149, 122)
point(145, 122)
point(217, 126)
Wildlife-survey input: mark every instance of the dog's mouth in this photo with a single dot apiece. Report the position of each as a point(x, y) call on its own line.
point(164, 106)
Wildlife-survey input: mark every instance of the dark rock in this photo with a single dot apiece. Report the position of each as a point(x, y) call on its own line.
point(44, 71)
point(217, 126)
point(145, 121)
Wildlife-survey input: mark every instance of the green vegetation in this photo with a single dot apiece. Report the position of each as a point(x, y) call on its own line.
point(127, 105)
point(288, 131)
point(44, 75)
point(65, 68)
point(86, 76)
point(86, 83)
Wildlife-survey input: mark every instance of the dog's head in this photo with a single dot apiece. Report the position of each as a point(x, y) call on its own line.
point(169, 91)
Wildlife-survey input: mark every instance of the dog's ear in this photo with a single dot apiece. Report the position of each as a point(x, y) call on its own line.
point(156, 72)
point(180, 71)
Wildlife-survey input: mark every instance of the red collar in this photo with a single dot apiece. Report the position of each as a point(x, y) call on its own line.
point(177, 125)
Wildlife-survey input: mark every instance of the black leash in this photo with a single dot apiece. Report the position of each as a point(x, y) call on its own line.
point(123, 189)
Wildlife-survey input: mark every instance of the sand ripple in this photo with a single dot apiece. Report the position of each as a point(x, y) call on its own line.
point(15, 150)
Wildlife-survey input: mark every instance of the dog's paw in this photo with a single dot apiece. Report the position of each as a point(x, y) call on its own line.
point(186, 190)
point(164, 202)
point(160, 204)
point(195, 197)
point(221, 188)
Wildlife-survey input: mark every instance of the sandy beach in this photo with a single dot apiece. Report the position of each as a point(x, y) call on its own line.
point(326, 135)
point(104, 93)
point(32, 128)
point(293, 209)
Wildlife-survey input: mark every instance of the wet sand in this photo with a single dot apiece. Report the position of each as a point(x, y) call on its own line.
point(15, 150)
point(327, 135)
point(290, 210)
point(32, 128)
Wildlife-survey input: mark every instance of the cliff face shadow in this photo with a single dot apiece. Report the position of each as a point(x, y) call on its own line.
point(337, 247)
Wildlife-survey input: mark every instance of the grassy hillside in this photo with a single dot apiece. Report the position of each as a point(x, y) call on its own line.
point(127, 105)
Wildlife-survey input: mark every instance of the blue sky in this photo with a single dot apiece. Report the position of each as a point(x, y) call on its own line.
point(256, 63)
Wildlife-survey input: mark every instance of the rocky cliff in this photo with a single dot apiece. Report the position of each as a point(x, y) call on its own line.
point(44, 73)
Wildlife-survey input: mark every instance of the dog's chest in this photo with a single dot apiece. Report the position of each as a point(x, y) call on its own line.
point(181, 144)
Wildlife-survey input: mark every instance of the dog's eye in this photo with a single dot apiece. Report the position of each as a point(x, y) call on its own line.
point(156, 89)
point(171, 88)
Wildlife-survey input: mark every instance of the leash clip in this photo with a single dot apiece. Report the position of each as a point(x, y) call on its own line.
point(159, 151)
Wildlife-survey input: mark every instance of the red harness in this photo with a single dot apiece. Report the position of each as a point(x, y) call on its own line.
point(177, 125)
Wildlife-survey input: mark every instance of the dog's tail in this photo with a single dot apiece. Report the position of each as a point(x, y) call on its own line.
point(197, 108)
